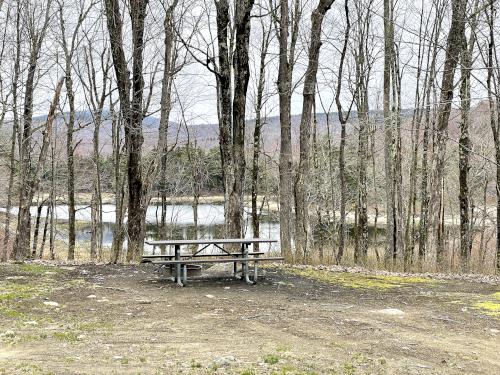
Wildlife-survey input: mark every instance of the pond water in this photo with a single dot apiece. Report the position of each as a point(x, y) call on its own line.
point(180, 223)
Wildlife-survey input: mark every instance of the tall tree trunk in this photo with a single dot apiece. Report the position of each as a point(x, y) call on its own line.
point(303, 232)
point(119, 187)
point(285, 71)
point(165, 105)
point(70, 150)
point(415, 141)
point(363, 70)
point(223, 77)
point(257, 138)
point(15, 131)
point(343, 120)
point(37, 228)
point(465, 145)
point(131, 106)
point(30, 170)
point(241, 77)
point(453, 49)
point(424, 189)
point(390, 252)
point(494, 120)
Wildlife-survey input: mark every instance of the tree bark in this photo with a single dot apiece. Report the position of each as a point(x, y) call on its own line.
point(390, 252)
point(303, 232)
point(285, 71)
point(453, 49)
point(131, 105)
point(465, 145)
point(257, 135)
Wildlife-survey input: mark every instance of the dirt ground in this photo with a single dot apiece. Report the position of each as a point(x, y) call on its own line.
point(90, 319)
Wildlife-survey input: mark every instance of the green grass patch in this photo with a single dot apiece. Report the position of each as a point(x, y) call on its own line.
point(10, 312)
point(496, 295)
point(248, 371)
point(66, 336)
point(359, 280)
point(93, 326)
point(10, 291)
point(271, 359)
point(490, 306)
point(36, 269)
point(195, 364)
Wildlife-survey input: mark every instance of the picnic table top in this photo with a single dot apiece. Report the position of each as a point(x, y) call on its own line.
point(212, 241)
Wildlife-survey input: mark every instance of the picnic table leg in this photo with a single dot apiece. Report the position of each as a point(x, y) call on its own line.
point(184, 274)
point(245, 264)
point(178, 266)
point(255, 270)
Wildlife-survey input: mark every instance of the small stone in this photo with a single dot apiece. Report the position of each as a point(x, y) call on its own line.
point(51, 303)
point(225, 360)
point(31, 323)
point(117, 357)
point(209, 296)
point(391, 311)
point(92, 296)
point(144, 302)
point(80, 337)
point(494, 330)
point(15, 277)
point(227, 287)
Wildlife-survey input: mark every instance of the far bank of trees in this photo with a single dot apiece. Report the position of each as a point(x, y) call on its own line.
point(394, 159)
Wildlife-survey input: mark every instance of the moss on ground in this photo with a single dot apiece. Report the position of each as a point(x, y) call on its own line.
point(491, 306)
point(10, 291)
point(359, 280)
point(29, 281)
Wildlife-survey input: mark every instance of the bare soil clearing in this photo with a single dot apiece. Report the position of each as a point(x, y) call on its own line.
point(90, 319)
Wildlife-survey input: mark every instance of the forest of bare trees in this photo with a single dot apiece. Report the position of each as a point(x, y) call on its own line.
point(370, 130)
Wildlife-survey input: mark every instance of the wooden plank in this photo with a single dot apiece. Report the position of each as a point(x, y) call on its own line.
point(199, 255)
point(232, 260)
point(222, 241)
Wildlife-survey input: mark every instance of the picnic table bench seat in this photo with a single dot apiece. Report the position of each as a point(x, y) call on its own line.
point(149, 257)
point(233, 260)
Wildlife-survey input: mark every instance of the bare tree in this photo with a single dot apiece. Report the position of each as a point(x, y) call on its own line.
point(69, 45)
point(494, 109)
point(343, 120)
point(15, 131)
point(259, 123)
point(131, 94)
point(287, 28)
point(303, 233)
point(390, 252)
point(453, 49)
point(465, 141)
point(28, 168)
point(363, 61)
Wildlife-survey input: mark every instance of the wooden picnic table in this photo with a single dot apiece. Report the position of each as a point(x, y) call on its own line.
point(183, 260)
